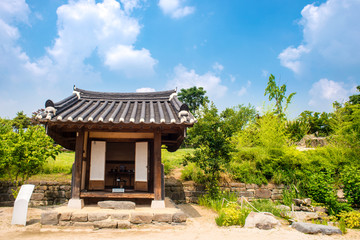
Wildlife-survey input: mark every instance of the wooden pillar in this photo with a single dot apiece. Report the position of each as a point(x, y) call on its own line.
point(79, 147)
point(157, 165)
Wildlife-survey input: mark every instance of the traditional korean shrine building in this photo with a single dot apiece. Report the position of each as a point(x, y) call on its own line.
point(117, 139)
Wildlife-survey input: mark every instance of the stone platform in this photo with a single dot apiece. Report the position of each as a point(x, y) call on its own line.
point(96, 217)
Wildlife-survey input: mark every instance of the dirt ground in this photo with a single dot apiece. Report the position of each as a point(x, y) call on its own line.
point(200, 225)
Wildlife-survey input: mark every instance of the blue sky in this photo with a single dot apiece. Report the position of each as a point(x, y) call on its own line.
point(228, 47)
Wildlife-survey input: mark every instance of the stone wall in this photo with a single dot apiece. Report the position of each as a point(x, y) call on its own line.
point(49, 193)
point(45, 193)
point(188, 192)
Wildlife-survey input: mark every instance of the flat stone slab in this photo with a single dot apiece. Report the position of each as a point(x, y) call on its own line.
point(79, 217)
point(311, 228)
point(138, 218)
point(116, 204)
point(120, 216)
point(97, 216)
point(50, 218)
point(162, 217)
point(105, 224)
point(179, 217)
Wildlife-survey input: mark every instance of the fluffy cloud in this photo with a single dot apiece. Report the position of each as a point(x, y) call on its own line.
point(175, 8)
point(184, 78)
point(85, 30)
point(218, 67)
point(243, 89)
point(324, 92)
point(331, 33)
point(145, 89)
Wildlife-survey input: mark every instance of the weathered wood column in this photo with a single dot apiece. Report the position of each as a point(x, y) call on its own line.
point(157, 164)
point(79, 147)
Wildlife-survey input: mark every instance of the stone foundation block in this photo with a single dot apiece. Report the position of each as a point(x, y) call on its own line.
point(179, 217)
point(50, 218)
point(116, 204)
point(105, 224)
point(120, 216)
point(138, 218)
point(65, 223)
point(262, 193)
point(123, 224)
point(83, 224)
point(162, 217)
point(97, 216)
point(65, 216)
point(79, 217)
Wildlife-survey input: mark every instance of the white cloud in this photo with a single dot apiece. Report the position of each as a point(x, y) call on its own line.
point(232, 78)
point(175, 8)
point(184, 78)
point(128, 60)
point(331, 35)
point(85, 29)
point(145, 89)
point(324, 92)
point(243, 89)
point(218, 67)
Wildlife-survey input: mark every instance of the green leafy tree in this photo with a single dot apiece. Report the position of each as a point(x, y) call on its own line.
point(279, 95)
point(214, 148)
point(355, 99)
point(237, 118)
point(194, 97)
point(24, 153)
point(318, 123)
point(21, 121)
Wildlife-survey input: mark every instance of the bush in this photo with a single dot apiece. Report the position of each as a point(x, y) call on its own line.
point(232, 214)
point(350, 177)
point(351, 219)
point(192, 172)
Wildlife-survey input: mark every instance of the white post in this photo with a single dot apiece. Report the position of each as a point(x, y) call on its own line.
point(21, 204)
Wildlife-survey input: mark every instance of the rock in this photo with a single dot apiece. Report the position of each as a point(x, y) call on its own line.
point(79, 217)
point(303, 216)
point(123, 224)
point(340, 194)
point(262, 193)
point(83, 224)
point(179, 217)
point(311, 228)
point(284, 210)
point(37, 196)
point(65, 223)
point(120, 216)
point(105, 224)
point(97, 216)
point(320, 209)
point(117, 204)
point(262, 220)
point(50, 218)
point(302, 202)
point(65, 216)
point(138, 218)
point(162, 217)
point(307, 202)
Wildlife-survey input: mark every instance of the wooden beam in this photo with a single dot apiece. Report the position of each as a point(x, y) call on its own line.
point(102, 194)
point(132, 135)
point(79, 147)
point(157, 164)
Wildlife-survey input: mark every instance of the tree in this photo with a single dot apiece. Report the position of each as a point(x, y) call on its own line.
point(237, 118)
point(355, 99)
point(278, 94)
point(21, 121)
point(23, 153)
point(194, 97)
point(214, 147)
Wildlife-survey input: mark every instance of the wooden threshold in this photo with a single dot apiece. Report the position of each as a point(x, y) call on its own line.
point(101, 194)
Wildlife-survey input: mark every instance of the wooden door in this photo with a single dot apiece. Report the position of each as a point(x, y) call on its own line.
point(97, 165)
point(141, 166)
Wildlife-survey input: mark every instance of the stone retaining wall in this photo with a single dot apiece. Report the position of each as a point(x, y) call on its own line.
point(45, 193)
point(50, 193)
point(189, 192)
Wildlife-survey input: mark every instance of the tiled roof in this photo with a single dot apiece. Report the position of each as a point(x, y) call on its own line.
point(138, 108)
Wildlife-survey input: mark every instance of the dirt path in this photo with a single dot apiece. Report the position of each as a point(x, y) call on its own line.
point(200, 225)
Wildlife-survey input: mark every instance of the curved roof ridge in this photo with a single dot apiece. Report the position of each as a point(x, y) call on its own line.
point(94, 94)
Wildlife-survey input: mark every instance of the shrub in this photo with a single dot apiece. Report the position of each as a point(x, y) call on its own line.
point(192, 172)
point(232, 214)
point(351, 219)
point(350, 177)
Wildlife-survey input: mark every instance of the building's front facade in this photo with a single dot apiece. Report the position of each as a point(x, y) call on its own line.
point(117, 139)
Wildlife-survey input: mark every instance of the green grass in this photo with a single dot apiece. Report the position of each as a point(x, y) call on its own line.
point(62, 163)
point(172, 160)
